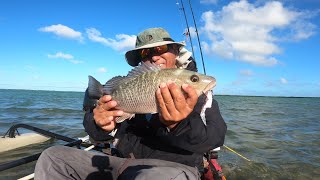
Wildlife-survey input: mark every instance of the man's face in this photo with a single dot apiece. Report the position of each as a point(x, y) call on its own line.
point(167, 59)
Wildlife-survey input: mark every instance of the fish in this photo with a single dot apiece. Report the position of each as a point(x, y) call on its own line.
point(136, 92)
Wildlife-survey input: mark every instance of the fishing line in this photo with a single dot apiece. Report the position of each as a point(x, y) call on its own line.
point(236, 153)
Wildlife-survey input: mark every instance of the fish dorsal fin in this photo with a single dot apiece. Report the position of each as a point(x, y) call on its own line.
point(143, 68)
point(115, 81)
point(112, 83)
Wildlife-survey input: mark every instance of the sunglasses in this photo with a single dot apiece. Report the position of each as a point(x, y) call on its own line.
point(148, 52)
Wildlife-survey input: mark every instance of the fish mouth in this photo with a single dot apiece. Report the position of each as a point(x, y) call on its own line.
point(210, 86)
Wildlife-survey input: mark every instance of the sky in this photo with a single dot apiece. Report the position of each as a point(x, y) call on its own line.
point(256, 48)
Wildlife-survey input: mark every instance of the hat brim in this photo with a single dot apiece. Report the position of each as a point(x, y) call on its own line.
point(133, 58)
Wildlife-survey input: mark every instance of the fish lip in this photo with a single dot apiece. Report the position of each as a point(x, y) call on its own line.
point(211, 85)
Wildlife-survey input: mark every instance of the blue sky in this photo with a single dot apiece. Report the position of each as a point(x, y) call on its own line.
point(268, 48)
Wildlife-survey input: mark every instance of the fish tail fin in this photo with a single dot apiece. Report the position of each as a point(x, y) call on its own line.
point(95, 88)
point(124, 117)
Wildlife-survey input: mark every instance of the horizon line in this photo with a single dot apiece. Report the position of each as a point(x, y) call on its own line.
point(275, 96)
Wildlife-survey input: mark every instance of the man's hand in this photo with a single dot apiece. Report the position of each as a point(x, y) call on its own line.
point(174, 104)
point(104, 114)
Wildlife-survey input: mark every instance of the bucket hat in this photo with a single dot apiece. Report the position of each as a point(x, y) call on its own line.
point(149, 38)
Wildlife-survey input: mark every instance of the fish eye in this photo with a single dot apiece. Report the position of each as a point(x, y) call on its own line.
point(194, 78)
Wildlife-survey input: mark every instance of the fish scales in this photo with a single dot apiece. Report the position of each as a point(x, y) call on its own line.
point(138, 94)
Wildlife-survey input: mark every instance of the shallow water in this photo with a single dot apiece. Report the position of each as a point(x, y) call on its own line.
point(279, 135)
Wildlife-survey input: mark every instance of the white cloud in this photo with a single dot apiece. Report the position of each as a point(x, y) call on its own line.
point(122, 42)
point(250, 33)
point(283, 81)
point(63, 31)
point(73, 61)
point(102, 70)
point(68, 57)
point(301, 30)
point(222, 48)
point(60, 55)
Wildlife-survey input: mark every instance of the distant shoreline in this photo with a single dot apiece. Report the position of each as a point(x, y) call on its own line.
point(214, 94)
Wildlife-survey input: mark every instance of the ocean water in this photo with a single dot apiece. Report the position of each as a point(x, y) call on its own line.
point(280, 135)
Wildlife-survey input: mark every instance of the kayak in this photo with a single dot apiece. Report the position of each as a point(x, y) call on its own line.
point(21, 140)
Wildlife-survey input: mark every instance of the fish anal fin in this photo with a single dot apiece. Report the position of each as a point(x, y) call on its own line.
point(125, 116)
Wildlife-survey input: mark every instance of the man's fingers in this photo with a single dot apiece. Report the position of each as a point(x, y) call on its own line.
point(178, 97)
point(167, 98)
point(106, 117)
point(110, 126)
point(104, 121)
point(175, 104)
point(192, 96)
point(161, 103)
point(107, 105)
point(104, 99)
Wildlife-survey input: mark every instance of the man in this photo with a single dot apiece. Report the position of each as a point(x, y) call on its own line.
point(168, 145)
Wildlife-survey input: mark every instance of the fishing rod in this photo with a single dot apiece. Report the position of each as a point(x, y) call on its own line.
point(13, 129)
point(188, 31)
point(195, 26)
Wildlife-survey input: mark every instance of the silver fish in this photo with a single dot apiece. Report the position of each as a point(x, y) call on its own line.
point(135, 93)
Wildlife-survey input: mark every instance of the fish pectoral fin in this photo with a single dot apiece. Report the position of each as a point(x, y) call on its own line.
point(124, 117)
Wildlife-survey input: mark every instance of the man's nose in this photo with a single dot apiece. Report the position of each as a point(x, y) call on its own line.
point(155, 58)
point(152, 58)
